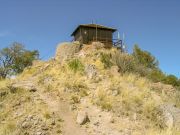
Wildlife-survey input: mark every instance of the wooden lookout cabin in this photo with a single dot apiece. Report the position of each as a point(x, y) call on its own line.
point(88, 33)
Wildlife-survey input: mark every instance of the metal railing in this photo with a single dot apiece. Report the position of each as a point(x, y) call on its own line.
point(114, 42)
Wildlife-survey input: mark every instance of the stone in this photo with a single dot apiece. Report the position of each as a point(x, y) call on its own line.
point(114, 70)
point(91, 71)
point(44, 127)
point(82, 118)
point(23, 85)
point(66, 50)
point(134, 116)
point(36, 122)
point(115, 92)
point(73, 107)
point(25, 125)
point(163, 88)
point(170, 116)
point(96, 123)
point(98, 45)
point(39, 133)
point(53, 122)
point(30, 117)
point(112, 120)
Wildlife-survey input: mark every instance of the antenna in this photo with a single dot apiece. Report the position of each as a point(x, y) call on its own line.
point(96, 30)
point(123, 43)
point(118, 35)
point(123, 37)
point(118, 44)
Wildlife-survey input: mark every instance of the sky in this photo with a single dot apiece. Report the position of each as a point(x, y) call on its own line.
point(41, 24)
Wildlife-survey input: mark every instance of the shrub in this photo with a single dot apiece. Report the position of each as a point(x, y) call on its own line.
point(75, 99)
point(106, 59)
point(8, 128)
point(147, 65)
point(172, 80)
point(150, 112)
point(47, 115)
point(156, 75)
point(103, 100)
point(140, 69)
point(77, 87)
point(177, 99)
point(144, 57)
point(124, 61)
point(76, 65)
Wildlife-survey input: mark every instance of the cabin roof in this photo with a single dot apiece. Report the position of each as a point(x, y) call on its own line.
point(93, 26)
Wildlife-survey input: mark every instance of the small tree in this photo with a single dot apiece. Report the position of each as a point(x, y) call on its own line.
point(145, 58)
point(172, 80)
point(6, 60)
point(15, 58)
point(157, 75)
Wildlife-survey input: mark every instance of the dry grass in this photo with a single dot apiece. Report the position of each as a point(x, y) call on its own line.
point(164, 132)
point(17, 105)
point(123, 94)
point(46, 114)
point(76, 65)
point(103, 100)
point(8, 128)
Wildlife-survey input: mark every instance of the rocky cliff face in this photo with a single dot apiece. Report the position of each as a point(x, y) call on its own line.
point(78, 94)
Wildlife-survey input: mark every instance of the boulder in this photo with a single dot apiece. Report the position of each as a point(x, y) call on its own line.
point(170, 116)
point(25, 125)
point(98, 45)
point(91, 71)
point(23, 85)
point(39, 133)
point(114, 70)
point(67, 50)
point(82, 118)
point(163, 88)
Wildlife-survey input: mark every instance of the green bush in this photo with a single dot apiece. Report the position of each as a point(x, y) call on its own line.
point(147, 65)
point(156, 75)
point(106, 59)
point(140, 70)
point(145, 58)
point(125, 62)
point(172, 80)
point(76, 65)
point(141, 63)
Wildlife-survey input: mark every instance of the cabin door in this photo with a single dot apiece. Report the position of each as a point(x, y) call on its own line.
point(85, 37)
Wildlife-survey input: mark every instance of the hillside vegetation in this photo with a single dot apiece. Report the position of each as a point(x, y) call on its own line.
point(89, 90)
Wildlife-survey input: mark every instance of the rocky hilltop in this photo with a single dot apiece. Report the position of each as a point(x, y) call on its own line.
point(79, 92)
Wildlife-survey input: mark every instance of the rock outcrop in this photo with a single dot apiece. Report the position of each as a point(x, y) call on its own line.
point(26, 85)
point(170, 116)
point(91, 71)
point(66, 50)
point(82, 117)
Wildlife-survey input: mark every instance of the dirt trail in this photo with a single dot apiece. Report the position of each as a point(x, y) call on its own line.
point(61, 108)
